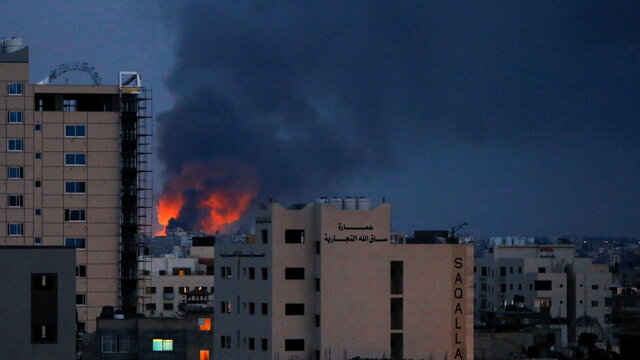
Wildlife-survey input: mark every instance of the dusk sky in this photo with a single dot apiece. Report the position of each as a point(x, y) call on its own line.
point(518, 117)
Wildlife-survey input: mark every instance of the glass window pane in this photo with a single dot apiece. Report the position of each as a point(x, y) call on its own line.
point(157, 344)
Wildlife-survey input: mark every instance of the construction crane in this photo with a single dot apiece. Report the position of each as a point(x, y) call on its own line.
point(454, 229)
point(75, 66)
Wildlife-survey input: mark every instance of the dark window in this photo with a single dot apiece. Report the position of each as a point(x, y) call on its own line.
point(15, 200)
point(38, 183)
point(503, 288)
point(75, 187)
point(264, 344)
point(484, 271)
point(265, 273)
point(397, 277)
point(75, 131)
point(14, 88)
point(594, 303)
point(15, 172)
point(167, 290)
point(543, 285)
point(81, 271)
point(265, 308)
point(81, 299)
point(78, 243)
point(594, 287)
point(294, 345)
point(183, 290)
point(74, 215)
point(265, 236)
point(519, 270)
point(151, 289)
point(294, 236)
point(252, 343)
point(318, 247)
point(542, 270)
point(317, 284)
point(167, 306)
point(396, 313)
point(294, 273)
point(317, 320)
point(510, 270)
point(75, 159)
point(503, 271)
point(252, 308)
point(150, 306)
point(15, 117)
point(38, 212)
point(294, 309)
point(252, 273)
point(162, 272)
point(38, 127)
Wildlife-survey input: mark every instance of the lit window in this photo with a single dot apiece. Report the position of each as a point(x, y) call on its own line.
point(14, 88)
point(162, 345)
point(15, 172)
point(75, 159)
point(75, 131)
point(75, 187)
point(15, 145)
point(74, 215)
point(78, 243)
point(15, 229)
point(15, 117)
point(204, 324)
point(15, 200)
point(204, 354)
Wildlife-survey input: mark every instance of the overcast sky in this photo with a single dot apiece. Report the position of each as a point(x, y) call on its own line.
point(520, 118)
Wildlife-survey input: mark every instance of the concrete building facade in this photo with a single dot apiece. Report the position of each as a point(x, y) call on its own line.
point(546, 278)
point(321, 282)
point(37, 309)
point(69, 177)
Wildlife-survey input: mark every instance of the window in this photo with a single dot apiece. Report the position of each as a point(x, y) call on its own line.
point(38, 183)
point(317, 247)
point(183, 290)
point(294, 236)
point(15, 117)
point(594, 287)
point(75, 159)
point(294, 273)
point(204, 355)
point(252, 343)
point(81, 299)
point(150, 306)
point(204, 324)
point(252, 273)
point(252, 308)
point(503, 271)
point(109, 344)
point(75, 131)
point(14, 88)
point(15, 200)
point(294, 309)
point(70, 105)
point(225, 342)
point(37, 127)
point(265, 273)
point(38, 212)
point(318, 318)
point(226, 272)
point(167, 292)
point(543, 285)
point(81, 271)
point(317, 284)
point(78, 243)
point(503, 288)
point(294, 345)
point(162, 345)
point(542, 270)
point(225, 307)
point(511, 270)
point(167, 306)
point(265, 236)
point(265, 308)
point(15, 172)
point(484, 271)
point(264, 344)
point(15, 145)
point(75, 187)
point(38, 155)
point(519, 270)
point(37, 240)
point(594, 303)
point(151, 289)
point(74, 215)
point(127, 344)
point(15, 229)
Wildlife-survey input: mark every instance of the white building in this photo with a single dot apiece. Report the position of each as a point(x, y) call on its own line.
point(546, 278)
point(170, 278)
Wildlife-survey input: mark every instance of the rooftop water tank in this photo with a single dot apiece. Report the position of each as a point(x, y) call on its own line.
point(12, 44)
point(336, 201)
point(349, 203)
point(364, 203)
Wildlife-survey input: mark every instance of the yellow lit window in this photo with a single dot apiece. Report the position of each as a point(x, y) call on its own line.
point(204, 324)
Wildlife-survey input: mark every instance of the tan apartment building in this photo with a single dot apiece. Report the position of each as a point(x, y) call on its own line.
point(70, 175)
point(323, 282)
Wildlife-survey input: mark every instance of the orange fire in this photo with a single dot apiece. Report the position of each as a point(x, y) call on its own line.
point(219, 206)
point(168, 208)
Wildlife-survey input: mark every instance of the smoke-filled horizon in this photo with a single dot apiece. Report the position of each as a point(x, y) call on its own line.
point(518, 118)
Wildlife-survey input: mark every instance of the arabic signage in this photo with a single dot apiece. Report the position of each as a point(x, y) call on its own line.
point(354, 237)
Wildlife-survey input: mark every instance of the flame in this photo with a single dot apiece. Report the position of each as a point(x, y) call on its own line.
point(210, 196)
point(224, 210)
point(168, 208)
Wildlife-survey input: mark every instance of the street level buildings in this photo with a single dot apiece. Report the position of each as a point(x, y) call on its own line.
point(323, 282)
point(72, 171)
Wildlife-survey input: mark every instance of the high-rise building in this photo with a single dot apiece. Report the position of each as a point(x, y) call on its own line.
point(73, 173)
point(331, 281)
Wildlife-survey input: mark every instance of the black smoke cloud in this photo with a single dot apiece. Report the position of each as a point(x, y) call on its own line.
point(309, 93)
